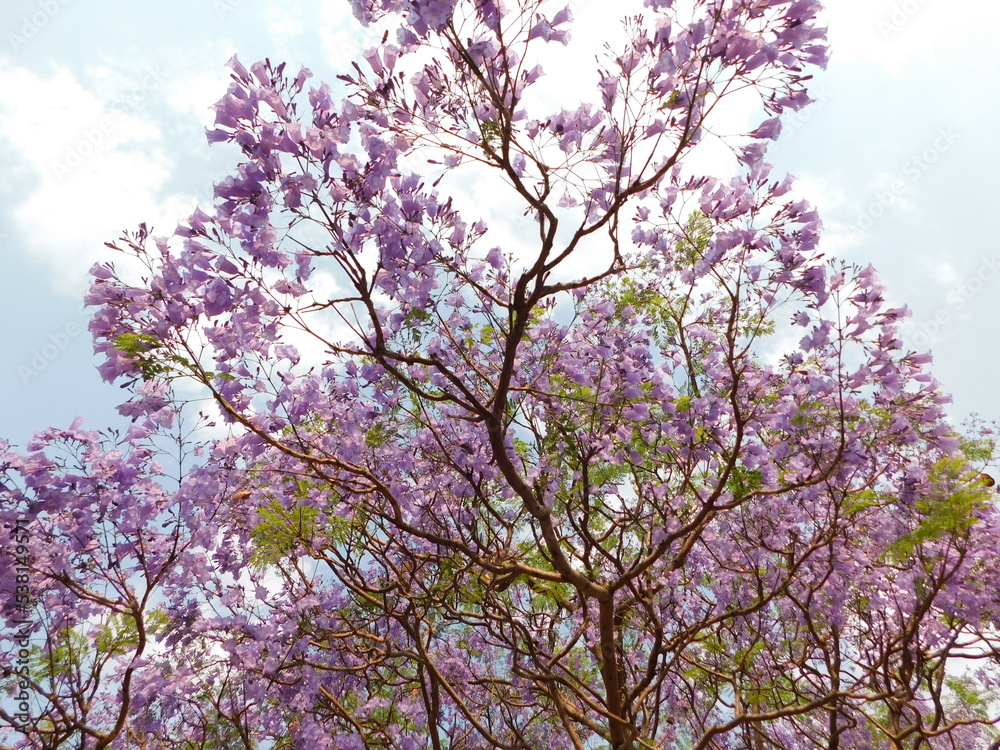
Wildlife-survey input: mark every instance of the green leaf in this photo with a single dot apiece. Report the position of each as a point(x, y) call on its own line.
point(948, 509)
point(281, 531)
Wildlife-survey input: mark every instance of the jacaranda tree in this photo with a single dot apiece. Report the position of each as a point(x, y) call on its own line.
point(651, 474)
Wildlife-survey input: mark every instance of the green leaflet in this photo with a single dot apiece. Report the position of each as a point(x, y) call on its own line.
point(948, 510)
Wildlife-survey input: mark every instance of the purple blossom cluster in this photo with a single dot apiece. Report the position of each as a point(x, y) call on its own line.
point(693, 491)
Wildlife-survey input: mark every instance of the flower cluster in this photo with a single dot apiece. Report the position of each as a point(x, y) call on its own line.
point(661, 475)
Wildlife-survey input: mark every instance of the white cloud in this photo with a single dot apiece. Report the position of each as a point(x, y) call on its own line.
point(342, 37)
point(941, 271)
point(192, 96)
point(895, 34)
point(89, 167)
point(286, 22)
point(825, 194)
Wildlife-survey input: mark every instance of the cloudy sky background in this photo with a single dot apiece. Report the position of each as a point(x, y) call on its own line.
point(103, 105)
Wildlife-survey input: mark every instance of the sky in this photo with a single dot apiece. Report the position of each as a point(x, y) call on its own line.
point(103, 106)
